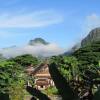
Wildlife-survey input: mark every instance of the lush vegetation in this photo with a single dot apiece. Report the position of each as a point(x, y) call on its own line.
point(51, 91)
point(12, 76)
point(81, 71)
point(26, 60)
point(89, 54)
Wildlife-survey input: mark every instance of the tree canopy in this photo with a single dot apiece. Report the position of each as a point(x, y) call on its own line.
point(26, 60)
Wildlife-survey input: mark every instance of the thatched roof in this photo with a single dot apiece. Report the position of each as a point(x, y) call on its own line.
point(37, 69)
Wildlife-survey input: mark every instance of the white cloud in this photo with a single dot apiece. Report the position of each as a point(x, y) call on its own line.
point(37, 50)
point(33, 19)
point(92, 21)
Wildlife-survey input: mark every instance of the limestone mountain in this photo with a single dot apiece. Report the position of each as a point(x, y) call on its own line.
point(93, 36)
point(38, 41)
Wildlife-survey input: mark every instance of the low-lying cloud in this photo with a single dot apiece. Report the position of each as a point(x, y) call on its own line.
point(36, 50)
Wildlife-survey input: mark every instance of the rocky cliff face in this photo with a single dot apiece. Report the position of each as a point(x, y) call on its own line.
point(93, 36)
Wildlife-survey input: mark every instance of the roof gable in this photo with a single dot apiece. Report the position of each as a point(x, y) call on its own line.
point(42, 69)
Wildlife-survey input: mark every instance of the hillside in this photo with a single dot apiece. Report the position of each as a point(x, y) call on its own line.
point(89, 54)
point(93, 36)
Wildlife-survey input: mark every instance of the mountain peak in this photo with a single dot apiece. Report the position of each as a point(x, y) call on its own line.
point(38, 41)
point(93, 36)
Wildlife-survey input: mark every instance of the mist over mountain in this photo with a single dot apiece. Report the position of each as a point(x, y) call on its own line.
point(1, 58)
point(38, 41)
point(93, 36)
point(40, 47)
point(74, 48)
point(36, 47)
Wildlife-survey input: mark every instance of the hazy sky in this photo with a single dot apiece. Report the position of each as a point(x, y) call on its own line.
point(64, 22)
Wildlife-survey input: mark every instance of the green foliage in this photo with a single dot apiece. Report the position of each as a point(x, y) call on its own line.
point(26, 60)
point(81, 72)
point(89, 54)
point(7, 74)
point(51, 91)
point(68, 66)
point(81, 76)
point(11, 78)
point(62, 84)
point(17, 90)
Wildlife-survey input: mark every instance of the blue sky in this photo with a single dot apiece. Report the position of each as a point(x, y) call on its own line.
point(64, 22)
